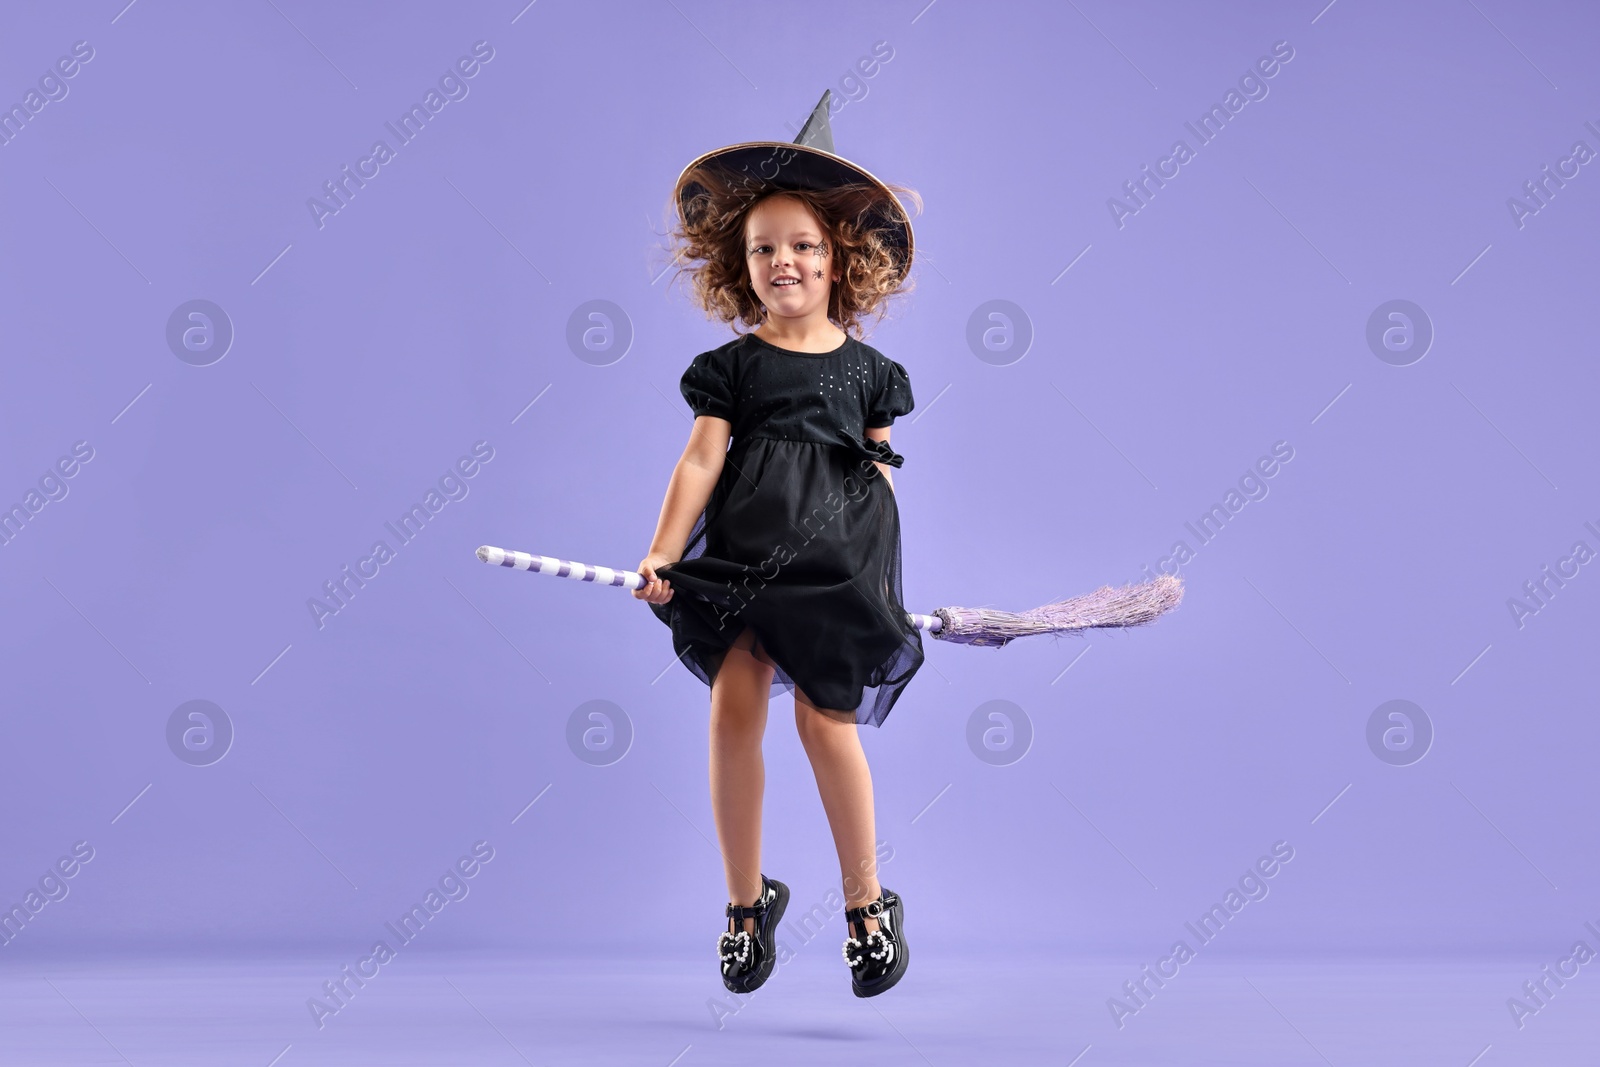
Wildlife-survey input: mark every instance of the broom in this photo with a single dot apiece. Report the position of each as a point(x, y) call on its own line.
point(1128, 605)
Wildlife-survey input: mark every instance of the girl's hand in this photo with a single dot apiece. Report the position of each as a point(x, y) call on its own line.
point(655, 590)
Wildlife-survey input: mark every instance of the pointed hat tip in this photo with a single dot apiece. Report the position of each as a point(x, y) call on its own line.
point(816, 133)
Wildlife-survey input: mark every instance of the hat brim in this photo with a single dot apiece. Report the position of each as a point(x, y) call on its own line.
point(775, 165)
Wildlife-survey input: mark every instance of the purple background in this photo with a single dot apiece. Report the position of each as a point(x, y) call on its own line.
point(372, 351)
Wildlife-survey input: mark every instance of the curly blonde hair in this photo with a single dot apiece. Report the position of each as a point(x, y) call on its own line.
point(709, 236)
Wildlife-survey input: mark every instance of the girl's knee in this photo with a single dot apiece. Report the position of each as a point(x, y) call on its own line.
point(741, 689)
point(812, 722)
point(738, 709)
point(737, 731)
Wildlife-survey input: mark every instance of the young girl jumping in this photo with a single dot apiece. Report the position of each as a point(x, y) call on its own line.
point(776, 562)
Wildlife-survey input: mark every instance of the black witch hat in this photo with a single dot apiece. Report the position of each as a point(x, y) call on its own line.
point(808, 162)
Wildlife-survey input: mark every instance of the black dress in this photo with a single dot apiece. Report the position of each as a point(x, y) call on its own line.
point(800, 539)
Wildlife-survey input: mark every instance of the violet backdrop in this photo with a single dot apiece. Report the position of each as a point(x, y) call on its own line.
point(1154, 346)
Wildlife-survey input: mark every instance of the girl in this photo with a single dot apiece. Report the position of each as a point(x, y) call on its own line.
point(776, 562)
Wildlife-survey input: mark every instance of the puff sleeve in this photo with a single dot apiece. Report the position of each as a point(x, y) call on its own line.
point(708, 387)
point(893, 395)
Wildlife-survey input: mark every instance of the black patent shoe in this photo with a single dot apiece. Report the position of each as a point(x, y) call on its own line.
point(747, 958)
point(877, 959)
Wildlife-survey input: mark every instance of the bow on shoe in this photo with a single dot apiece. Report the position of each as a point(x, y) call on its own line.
point(734, 946)
point(885, 950)
point(868, 448)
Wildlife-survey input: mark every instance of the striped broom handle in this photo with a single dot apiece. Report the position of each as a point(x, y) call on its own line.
point(582, 572)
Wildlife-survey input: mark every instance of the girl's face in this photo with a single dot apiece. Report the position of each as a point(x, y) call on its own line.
point(791, 264)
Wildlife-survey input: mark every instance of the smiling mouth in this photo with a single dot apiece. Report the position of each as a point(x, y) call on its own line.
point(784, 283)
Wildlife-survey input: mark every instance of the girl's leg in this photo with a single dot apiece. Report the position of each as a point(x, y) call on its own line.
point(738, 774)
point(833, 743)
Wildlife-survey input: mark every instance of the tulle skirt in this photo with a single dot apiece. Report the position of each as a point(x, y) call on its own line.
point(799, 542)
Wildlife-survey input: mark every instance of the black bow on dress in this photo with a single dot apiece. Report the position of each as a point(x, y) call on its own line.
point(868, 448)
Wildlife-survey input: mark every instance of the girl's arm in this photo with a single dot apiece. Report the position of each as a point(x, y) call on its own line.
point(881, 433)
point(693, 479)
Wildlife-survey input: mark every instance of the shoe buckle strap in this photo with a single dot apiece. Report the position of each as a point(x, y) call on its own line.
point(752, 911)
point(872, 909)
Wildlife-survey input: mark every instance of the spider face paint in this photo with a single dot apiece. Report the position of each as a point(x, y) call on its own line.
point(820, 251)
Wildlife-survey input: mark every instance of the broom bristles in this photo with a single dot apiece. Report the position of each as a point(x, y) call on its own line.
point(1108, 606)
